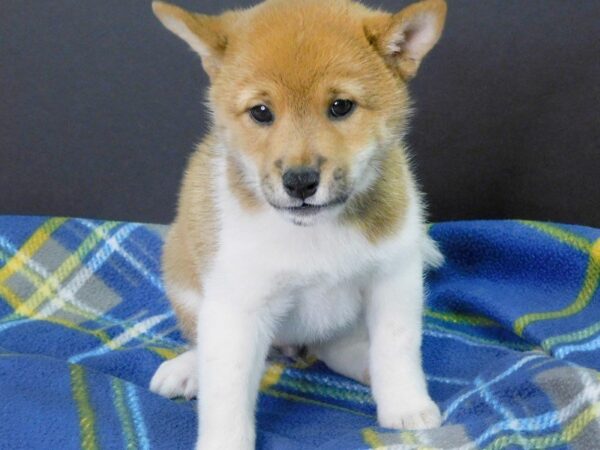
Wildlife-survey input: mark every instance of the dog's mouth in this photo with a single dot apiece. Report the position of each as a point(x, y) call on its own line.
point(309, 209)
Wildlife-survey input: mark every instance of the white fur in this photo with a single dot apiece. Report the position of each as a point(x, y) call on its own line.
point(176, 377)
point(357, 304)
point(423, 35)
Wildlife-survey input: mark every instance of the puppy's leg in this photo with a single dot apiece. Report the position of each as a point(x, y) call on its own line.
point(348, 354)
point(394, 320)
point(234, 333)
point(177, 377)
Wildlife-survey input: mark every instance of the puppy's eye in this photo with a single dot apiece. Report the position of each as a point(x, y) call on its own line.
point(340, 108)
point(262, 114)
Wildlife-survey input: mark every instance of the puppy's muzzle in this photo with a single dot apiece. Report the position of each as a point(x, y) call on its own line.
point(301, 182)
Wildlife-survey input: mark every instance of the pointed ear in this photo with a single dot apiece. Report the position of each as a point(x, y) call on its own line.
point(404, 38)
point(206, 35)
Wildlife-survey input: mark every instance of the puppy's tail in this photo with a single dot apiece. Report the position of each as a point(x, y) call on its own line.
point(432, 256)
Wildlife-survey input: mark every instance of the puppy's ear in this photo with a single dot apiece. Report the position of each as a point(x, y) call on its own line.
point(206, 35)
point(403, 39)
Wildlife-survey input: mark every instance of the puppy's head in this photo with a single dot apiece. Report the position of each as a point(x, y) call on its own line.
point(308, 96)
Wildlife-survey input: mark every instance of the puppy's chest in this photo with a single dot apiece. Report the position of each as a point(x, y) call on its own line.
point(275, 246)
point(317, 274)
point(321, 274)
point(319, 308)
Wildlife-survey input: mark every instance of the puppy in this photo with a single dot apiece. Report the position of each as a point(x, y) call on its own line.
point(299, 221)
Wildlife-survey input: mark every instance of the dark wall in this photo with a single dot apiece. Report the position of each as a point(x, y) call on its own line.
point(100, 106)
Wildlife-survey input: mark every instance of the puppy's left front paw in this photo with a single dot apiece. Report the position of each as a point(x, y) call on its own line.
point(409, 417)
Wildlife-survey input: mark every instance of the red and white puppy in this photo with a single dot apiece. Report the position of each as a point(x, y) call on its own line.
point(299, 221)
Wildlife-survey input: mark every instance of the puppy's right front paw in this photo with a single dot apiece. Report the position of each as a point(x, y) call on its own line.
point(177, 377)
point(418, 417)
point(227, 439)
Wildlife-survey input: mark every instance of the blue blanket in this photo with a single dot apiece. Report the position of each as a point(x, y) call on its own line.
point(511, 348)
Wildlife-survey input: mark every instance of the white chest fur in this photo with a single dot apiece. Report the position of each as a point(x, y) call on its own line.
point(316, 276)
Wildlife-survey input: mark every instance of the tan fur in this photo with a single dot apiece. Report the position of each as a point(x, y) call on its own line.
point(296, 57)
point(300, 79)
point(381, 32)
point(191, 241)
point(380, 210)
point(236, 182)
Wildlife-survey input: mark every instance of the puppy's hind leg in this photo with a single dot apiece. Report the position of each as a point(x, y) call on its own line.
point(348, 354)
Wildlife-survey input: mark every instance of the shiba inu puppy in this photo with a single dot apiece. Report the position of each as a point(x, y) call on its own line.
point(299, 222)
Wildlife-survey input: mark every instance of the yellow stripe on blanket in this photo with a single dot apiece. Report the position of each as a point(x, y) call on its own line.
point(577, 242)
point(87, 419)
point(30, 248)
point(590, 285)
point(46, 290)
point(371, 438)
point(271, 376)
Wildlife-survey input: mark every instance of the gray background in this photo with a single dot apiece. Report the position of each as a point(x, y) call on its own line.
point(100, 107)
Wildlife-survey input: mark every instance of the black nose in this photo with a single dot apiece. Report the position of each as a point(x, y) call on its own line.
point(301, 182)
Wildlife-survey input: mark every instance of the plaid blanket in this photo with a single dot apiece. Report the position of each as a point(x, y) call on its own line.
point(511, 347)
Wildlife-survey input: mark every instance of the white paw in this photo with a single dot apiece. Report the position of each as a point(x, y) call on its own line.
point(225, 444)
point(177, 377)
point(409, 417)
point(226, 439)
